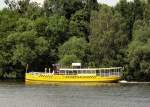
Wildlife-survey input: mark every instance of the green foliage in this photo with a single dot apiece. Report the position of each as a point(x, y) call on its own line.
point(57, 29)
point(67, 31)
point(41, 45)
point(79, 24)
point(130, 11)
point(75, 47)
point(107, 38)
point(67, 60)
point(22, 55)
point(57, 24)
point(62, 7)
point(40, 26)
point(147, 11)
point(139, 52)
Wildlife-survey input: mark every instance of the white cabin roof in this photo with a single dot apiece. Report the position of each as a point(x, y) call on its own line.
point(76, 64)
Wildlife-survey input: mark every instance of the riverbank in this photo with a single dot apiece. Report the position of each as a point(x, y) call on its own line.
point(15, 75)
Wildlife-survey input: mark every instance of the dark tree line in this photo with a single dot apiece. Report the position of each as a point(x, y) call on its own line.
point(66, 31)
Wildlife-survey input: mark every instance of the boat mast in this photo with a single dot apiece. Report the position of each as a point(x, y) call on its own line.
point(27, 68)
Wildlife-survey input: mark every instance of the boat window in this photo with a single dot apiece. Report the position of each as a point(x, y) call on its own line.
point(97, 72)
point(107, 73)
point(79, 72)
point(62, 72)
point(89, 72)
point(102, 73)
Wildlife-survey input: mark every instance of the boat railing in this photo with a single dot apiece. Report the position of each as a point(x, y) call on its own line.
point(103, 72)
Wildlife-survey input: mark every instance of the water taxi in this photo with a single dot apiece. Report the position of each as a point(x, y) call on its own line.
point(108, 75)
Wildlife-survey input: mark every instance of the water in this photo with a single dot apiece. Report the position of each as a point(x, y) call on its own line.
point(13, 94)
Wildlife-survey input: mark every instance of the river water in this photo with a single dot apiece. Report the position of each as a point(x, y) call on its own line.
point(18, 94)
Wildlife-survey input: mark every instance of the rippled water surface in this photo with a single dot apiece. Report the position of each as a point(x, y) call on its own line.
point(14, 94)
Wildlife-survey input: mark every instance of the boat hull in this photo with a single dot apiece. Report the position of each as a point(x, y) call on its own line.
point(70, 78)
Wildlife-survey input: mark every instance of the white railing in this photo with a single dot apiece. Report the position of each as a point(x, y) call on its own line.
point(103, 72)
point(115, 71)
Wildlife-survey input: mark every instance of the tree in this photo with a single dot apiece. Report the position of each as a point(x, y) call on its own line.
point(146, 14)
point(107, 38)
point(139, 52)
point(40, 25)
point(79, 24)
point(75, 48)
point(67, 60)
point(91, 5)
point(62, 7)
point(24, 8)
point(130, 11)
point(7, 26)
point(57, 30)
point(22, 45)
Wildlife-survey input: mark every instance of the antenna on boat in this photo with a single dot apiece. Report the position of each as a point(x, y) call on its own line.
point(27, 66)
point(45, 70)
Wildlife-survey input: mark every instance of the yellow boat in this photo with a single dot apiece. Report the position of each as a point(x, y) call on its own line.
point(77, 75)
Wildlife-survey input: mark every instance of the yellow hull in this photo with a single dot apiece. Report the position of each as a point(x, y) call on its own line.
point(70, 78)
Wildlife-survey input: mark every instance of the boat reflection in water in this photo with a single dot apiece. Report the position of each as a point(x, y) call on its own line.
point(32, 83)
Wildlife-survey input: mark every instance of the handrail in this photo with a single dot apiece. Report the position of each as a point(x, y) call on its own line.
point(82, 69)
point(113, 71)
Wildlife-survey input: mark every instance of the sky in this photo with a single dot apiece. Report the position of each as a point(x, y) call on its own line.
point(109, 2)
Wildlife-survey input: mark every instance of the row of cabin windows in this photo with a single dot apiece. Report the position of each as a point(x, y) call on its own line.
point(97, 72)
